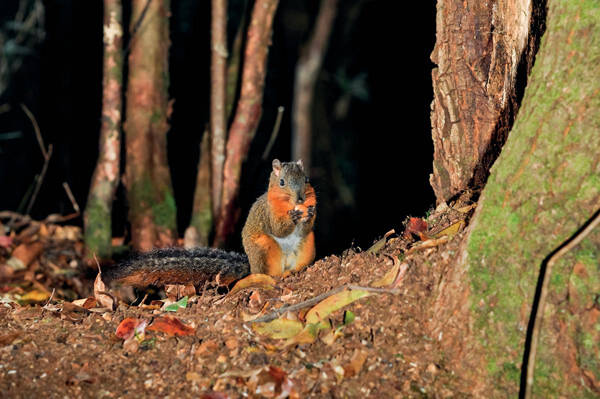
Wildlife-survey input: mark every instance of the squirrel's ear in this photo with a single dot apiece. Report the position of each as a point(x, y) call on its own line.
point(300, 163)
point(276, 166)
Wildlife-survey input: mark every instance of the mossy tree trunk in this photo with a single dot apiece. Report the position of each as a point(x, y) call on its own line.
point(97, 215)
point(151, 203)
point(483, 51)
point(247, 114)
point(544, 186)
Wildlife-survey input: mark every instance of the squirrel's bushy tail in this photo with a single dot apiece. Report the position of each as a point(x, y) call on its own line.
point(179, 266)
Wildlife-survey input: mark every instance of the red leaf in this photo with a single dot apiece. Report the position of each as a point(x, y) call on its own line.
point(171, 326)
point(128, 327)
point(415, 226)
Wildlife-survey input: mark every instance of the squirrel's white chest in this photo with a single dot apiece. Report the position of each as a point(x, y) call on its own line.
point(289, 248)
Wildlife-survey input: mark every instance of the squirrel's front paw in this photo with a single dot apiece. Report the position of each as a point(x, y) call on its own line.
point(310, 211)
point(296, 215)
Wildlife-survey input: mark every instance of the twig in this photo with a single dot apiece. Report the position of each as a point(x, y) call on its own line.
point(48, 302)
point(319, 298)
point(40, 180)
point(136, 27)
point(545, 273)
point(274, 133)
point(36, 128)
point(71, 197)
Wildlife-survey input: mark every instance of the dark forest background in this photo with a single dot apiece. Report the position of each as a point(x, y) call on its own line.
point(372, 151)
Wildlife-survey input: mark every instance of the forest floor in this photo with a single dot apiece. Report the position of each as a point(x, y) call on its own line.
point(375, 345)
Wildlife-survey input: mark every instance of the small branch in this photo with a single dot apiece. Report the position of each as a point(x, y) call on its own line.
point(36, 128)
point(274, 133)
point(319, 298)
point(545, 273)
point(71, 197)
point(40, 180)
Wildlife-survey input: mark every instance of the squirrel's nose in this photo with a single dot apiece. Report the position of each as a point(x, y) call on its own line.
point(300, 199)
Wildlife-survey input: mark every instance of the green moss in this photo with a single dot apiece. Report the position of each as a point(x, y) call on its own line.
point(164, 212)
point(98, 228)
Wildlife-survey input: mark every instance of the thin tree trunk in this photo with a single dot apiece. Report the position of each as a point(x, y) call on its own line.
point(198, 233)
point(98, 211)
point(307, 72)
point(542, 189)
point(482, 50)
point(151, 202)
point(218, 91)
point(248, 113)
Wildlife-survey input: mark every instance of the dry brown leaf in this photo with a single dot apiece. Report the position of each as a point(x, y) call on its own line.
point(24, 254)
point(8, 339)
point(86, 303)
point(101, 293)
point(254, 280)
point(356, 363)
point(177, 291)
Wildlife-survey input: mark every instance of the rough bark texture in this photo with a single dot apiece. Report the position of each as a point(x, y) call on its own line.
point(149, 193)
point(481, 49)
point(218, 95)
point(307, 72)
point(248, 111)
point(97, 215)
point(198, 233)
point(541, 190)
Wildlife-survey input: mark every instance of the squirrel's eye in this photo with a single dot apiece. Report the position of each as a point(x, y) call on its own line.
point(282, 182)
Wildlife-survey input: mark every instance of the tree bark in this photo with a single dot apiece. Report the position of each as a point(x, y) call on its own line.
point(248, 112)
point(149, 192)
point(98, 211)
point(542, 189)
point(307, 72)
point(218, 96)
point(198, 232)
point(483, 50)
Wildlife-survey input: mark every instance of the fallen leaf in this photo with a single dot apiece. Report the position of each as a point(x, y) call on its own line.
point(333, 334)
point(171, 326)
point(35, 296)
point(451, 230)
point(130, 326)
point(389, 277)
point(279, 328)
point(101, 293)
point(308, 335)
point(466, 209)
point(8, 339)
point(86, 303)
point(356, 363)
point(177, 291)
point(415, 226)
point(24, 254)
point(380, 243)
point(427, 244)
point(180, 304)
point(254, 280)
point(333, 303)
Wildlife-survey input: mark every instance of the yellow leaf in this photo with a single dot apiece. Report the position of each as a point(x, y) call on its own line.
point(333, 303)
point(381, 243)
point(451, 230)
point(35, 296)
point(279, 328)
point(389, 277)
point(254, 280)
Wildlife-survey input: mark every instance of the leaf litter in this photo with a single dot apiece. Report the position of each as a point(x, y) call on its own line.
point(351, 344)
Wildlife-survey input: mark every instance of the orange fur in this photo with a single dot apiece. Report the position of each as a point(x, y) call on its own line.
point(311, 198)
point(272, 254)
point(306, 253)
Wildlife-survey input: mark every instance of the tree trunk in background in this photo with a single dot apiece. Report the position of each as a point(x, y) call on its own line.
point(541, 190)
point(218, 95)
point(198, 233)
point(482, 50)
point(248, 112)
point(150, 197)
point(98, 212)
point(307, 72)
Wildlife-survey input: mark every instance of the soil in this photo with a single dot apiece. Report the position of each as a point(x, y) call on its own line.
point(49, 346)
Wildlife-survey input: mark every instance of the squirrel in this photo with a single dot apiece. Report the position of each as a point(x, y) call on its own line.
point(278, 238)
